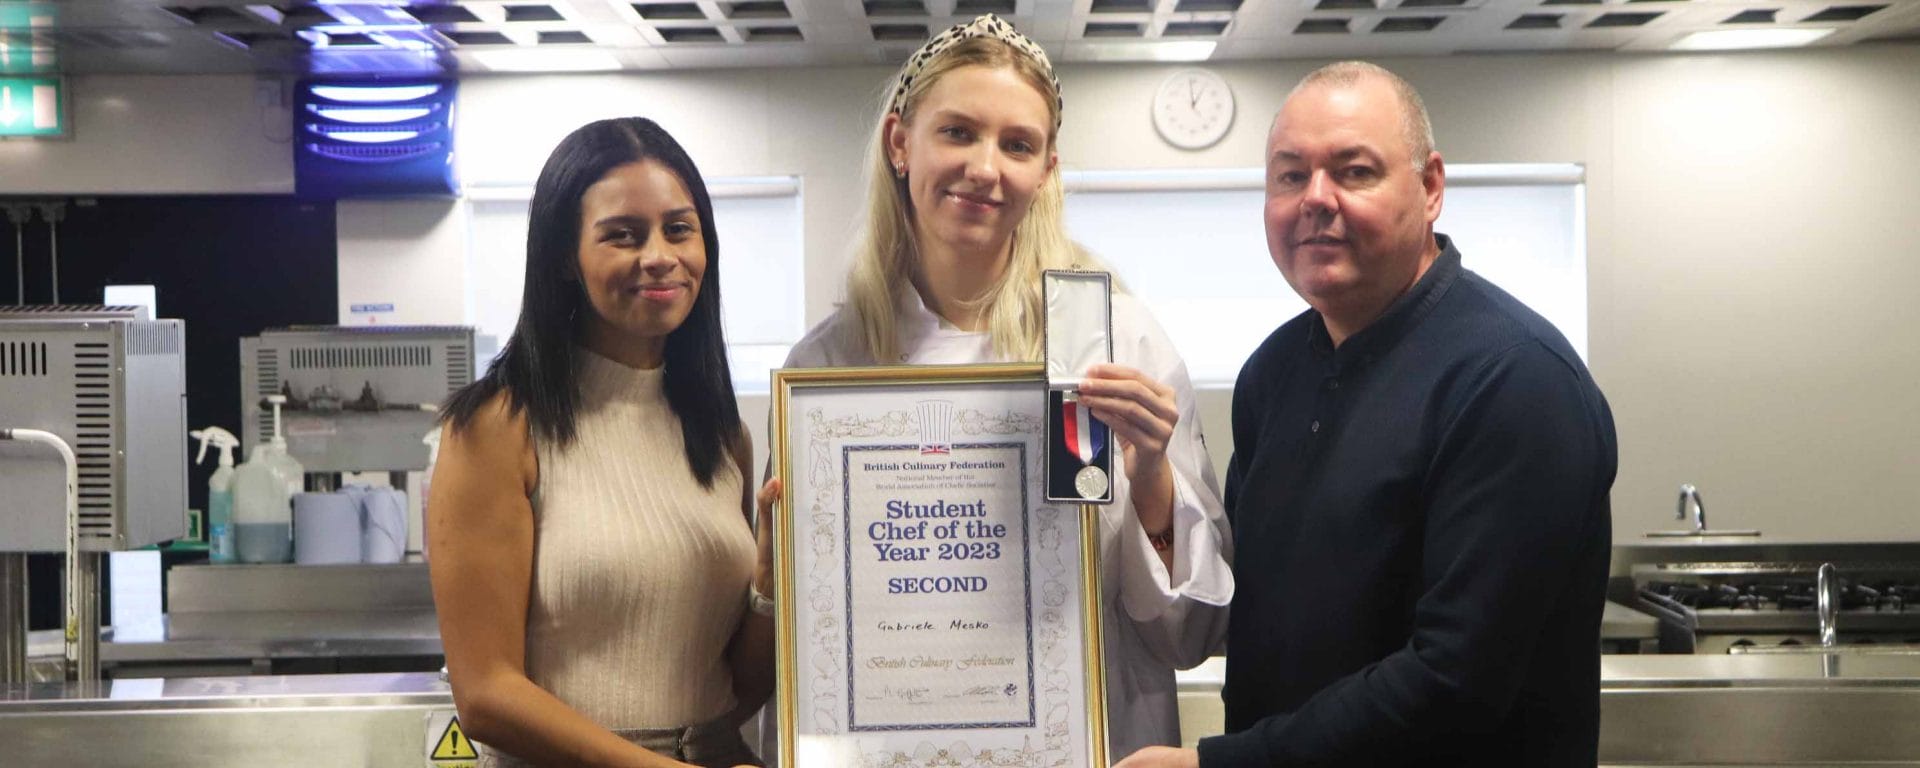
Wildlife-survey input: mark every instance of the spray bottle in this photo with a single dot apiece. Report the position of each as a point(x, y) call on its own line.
point(219, 493)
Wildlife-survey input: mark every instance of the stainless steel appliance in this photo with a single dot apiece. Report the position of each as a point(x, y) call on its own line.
point(112, 384)
point(358, 398)
point(1755, 606)
point(92, 458)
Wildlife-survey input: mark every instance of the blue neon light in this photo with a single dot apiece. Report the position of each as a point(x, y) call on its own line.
point(369, 137)
point(374, 94)
point(370, 115)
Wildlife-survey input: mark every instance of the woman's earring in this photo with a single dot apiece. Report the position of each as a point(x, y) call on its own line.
point(900, 171)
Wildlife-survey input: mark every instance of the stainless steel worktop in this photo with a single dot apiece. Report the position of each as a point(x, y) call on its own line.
point(260, 692)
point(283, 634)
point(1655, 710)
point(1840, 670)
point(305, 720)
point(255, 615)
point(1806, 709)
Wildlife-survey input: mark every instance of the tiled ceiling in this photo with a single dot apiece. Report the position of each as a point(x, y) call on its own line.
point(185, 36)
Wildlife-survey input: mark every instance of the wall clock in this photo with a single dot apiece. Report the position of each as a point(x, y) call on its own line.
point(1193, 109)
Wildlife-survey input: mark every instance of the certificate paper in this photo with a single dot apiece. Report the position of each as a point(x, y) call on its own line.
point(933, 608)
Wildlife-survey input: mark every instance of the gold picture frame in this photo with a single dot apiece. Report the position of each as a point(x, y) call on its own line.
point(998, 412)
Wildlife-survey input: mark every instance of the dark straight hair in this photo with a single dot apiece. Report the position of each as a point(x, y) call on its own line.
point(536, 369)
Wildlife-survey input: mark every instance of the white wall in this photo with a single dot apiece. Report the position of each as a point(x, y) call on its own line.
point(1750, 237)
point(1750, 248)
point(402, 262)
point(160, 135)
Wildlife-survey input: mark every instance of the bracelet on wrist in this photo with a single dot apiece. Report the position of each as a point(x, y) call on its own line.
point(1162, 541)
point(758, 603)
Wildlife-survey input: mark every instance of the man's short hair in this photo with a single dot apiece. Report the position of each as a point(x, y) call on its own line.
point(1415, 124)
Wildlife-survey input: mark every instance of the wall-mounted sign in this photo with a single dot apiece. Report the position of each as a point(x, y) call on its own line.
point(32, 106)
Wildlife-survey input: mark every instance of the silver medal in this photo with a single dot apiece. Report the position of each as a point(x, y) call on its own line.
point(1091, 482)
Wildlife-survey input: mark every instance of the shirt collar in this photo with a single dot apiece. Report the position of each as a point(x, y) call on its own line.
point(1401, 315)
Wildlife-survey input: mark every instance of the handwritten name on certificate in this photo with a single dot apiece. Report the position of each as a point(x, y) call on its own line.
point(940, 614)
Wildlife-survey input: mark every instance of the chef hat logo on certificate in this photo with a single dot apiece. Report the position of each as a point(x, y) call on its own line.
point(1079, 334)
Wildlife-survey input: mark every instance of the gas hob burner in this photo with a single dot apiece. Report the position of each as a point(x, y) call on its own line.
point(1788, 595)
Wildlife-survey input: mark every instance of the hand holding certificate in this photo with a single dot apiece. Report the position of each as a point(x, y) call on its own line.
point(933, 606)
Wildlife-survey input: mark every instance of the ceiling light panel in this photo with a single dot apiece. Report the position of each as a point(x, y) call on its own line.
point(1739, 39)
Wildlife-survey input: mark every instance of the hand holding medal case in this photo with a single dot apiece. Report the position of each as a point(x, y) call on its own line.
point(1079, 334)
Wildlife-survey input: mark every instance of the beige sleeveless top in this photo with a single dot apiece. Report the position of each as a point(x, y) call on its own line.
point(639, 574)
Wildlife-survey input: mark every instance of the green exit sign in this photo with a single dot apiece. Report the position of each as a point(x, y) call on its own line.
point(33, 106)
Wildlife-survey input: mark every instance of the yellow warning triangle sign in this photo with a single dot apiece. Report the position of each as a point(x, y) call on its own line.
point(453, 744)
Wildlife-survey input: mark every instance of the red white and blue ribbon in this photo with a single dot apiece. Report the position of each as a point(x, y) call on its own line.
point(1085, 435)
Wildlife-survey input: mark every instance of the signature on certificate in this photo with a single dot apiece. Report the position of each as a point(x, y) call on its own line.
point(985, 692)
point(911, 695)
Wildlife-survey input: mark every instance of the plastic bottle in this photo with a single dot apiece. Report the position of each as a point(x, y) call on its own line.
point(220, 548)
point(262, 510)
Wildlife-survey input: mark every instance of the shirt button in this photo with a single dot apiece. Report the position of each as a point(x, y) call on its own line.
point(1316, 425)
point(1333, 383)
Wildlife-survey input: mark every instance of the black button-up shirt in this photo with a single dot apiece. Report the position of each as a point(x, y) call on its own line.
point(1422, 530)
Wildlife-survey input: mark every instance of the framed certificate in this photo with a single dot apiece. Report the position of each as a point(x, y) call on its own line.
point(933, 608)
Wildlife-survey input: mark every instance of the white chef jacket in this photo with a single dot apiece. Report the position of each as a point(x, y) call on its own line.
point(1150, 628)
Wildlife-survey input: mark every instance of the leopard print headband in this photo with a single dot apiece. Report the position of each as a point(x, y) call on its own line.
point(987, 25)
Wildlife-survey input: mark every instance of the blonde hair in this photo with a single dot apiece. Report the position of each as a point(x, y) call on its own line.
point(886, 257)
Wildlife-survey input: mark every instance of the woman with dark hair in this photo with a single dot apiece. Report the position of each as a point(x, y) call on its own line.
point(598, 585)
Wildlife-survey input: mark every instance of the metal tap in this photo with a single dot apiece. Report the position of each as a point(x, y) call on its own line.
point(1828, 604)
point(1690, 494)
point(1690, 504)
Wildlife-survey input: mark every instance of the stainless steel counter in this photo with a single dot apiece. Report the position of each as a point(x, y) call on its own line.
point(357, 721)
point(1812, 709)
point(1854, 709)
point(283, 635)
point(1655, 710)
point(240, 619)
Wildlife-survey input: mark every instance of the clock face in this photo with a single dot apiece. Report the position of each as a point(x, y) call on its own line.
point(1193, 109)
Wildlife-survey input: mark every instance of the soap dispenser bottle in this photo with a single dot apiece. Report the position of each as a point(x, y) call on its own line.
point(262, 510)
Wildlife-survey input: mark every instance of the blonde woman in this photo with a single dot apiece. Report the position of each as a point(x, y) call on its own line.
point(964, 211)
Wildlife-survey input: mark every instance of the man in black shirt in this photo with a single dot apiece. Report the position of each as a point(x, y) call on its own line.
point(1419, 487)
